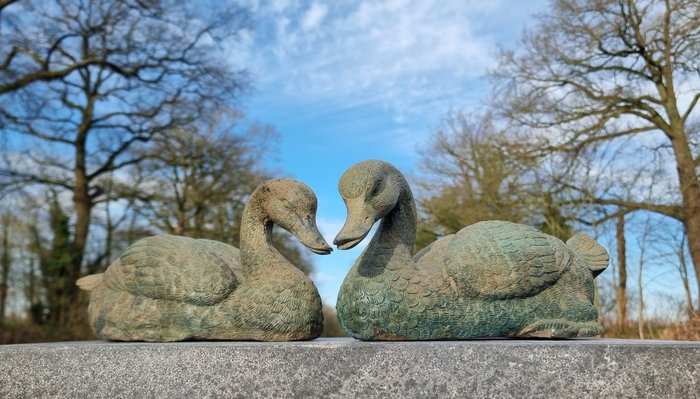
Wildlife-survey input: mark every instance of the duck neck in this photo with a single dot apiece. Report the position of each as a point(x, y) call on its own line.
point(396, 235)
point(257, 250)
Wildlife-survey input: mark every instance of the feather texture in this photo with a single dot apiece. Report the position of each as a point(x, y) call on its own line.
point(173, 268)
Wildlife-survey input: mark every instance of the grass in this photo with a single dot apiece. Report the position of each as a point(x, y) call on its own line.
point(680, 331)
point(15, 331)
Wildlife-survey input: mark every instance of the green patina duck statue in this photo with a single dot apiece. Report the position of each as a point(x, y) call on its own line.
point(170, 288)
point(490, 279)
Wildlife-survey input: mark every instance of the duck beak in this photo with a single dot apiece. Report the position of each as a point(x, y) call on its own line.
point(307, 233)
point(361, 218)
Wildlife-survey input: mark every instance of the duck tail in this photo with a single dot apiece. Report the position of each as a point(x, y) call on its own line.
point(595, 256)
point(88, 283)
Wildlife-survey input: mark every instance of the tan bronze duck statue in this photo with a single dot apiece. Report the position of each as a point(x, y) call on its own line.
point(170, 288)
point(489, 279)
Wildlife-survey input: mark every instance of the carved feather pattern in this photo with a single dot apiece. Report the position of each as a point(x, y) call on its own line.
point(288, 306)
point(498, 259)
point(593, 254)
point(173, 268)
point(511, 280)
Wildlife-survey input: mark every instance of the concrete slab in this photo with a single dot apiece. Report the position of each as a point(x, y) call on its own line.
point(346, 368)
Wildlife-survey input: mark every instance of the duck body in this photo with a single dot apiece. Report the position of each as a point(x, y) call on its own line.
point(170, 288)
point(490, 279)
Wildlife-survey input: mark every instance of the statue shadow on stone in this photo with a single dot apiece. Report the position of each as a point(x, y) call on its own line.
point(171, 288)
point(490, 279)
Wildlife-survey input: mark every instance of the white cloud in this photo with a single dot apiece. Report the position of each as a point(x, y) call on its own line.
point(314, 16)
point(389, 54)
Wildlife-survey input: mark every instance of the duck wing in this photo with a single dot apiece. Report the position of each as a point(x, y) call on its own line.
point(434, 252)
point(175, 268)
point(228, 253)
point(498, 260)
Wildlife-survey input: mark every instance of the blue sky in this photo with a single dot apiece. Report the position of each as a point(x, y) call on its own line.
point(345, 81)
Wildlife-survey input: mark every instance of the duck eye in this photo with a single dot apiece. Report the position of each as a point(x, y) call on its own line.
point(376, 189)
point(285, 203)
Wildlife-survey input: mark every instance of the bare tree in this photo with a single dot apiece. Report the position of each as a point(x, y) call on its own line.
point(468, 175)
point(643, 245)
point(85, 81)
point(674, 253)
point(473, 170)
point(21, 66)
point(614, 71)
point(683, 272)
point(197, 179)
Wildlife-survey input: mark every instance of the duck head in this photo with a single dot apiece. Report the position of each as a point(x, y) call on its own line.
point(292, 205)
point(370, 190)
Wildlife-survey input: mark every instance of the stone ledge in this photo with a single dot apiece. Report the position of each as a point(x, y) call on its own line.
point(345, 368)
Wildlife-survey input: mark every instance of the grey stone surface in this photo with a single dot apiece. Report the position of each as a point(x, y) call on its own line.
point(345, 368)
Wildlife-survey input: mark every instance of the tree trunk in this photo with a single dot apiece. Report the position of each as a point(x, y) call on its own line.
point(109, 239)
point(683, 271)
point(82, 202)
point(640, 287)
point(83, 209)
point(5, 263)
point(31, 291)
point(692, 226)
point(621, 288)
point(685, 166)
point(181, 226)
point(690, 191)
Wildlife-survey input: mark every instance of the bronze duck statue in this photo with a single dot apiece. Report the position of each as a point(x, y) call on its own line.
point(170, 288)
point(490, 279)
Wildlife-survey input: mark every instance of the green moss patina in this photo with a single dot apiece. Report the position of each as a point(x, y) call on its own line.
point(491, 279)
point(169, 288)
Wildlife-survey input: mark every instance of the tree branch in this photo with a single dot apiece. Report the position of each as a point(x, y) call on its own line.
point(672, 211)
point(44, 75)
point(621, 212)
point(28, 178)
point(692, 105)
